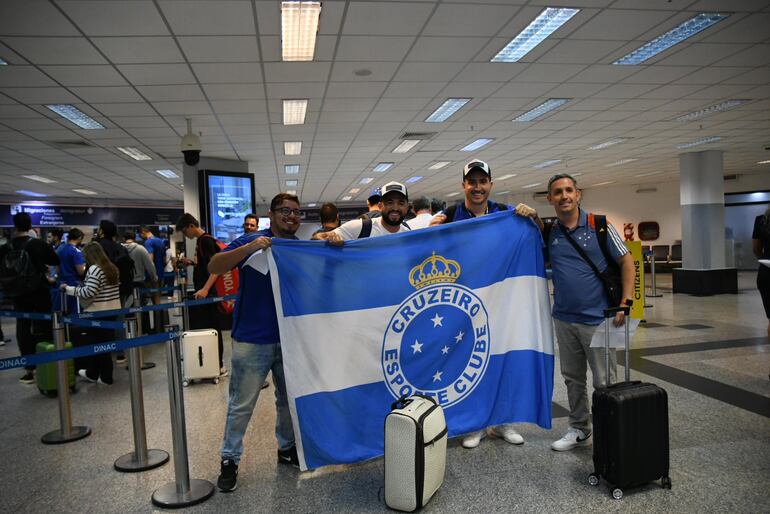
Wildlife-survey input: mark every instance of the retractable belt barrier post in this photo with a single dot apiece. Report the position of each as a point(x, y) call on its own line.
point(138, 303)
point(652, 275)
point(183, 491)
point(66, 433)
point(182, 297)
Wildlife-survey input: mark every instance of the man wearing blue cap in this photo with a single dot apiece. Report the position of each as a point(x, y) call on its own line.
point(373, 202)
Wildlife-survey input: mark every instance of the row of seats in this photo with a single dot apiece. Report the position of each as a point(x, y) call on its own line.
point(665, 253)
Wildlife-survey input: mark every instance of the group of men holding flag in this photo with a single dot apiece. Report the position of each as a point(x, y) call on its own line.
point(460, 313)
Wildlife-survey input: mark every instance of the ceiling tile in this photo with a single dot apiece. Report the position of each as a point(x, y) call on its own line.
point(178, 92)
point(137, 18)
point(39, 95)
point(129, 50)
point(621, 25)
point(25, 18)
point(234, 91)
point(222, 17)
point(223, 73)
point(373, 48)
point(220, 48)
point(378, 71)
point(23, 76)
point(296, 71)
point(468, 20)
point(394, 18)
point(149, 74)
point(446, 49)
point(95, 75)
point(55, 50)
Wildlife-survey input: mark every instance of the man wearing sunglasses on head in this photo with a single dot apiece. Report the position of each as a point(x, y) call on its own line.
point(256, 342)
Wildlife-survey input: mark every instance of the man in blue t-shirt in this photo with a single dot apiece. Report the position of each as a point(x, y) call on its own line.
point(156, 248)
point(477, 185)
point(256, 342)
point(579, 300)
point(72, 266)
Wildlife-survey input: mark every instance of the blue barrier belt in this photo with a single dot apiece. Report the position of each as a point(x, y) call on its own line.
point(115, 325)
point(26, 315)
point(150, 290)
point(159, 307)
point(85, 351)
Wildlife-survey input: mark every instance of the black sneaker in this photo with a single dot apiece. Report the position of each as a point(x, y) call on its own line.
point(28, 378)
point(228, 476)
point(289, 457)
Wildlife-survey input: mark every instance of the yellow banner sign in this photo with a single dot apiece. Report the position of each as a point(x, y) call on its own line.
point(635, 248)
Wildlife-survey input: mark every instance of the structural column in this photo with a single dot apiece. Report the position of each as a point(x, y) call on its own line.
point(701, 194)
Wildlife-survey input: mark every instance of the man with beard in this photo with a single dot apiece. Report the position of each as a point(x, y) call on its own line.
point(256, 341)
point(394, 205)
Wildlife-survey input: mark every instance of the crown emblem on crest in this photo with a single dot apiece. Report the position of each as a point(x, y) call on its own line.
point(434, 270)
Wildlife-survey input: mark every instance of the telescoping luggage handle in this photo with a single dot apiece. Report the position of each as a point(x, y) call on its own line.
point(405, 400)
point(608, 315)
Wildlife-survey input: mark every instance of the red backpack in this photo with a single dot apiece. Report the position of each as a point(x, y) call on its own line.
point(227, 283)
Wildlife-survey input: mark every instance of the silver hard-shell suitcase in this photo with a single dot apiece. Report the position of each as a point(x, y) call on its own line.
point(200, 355)
point(415, 452)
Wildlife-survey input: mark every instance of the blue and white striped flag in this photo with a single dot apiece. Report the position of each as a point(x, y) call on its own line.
point(459, 312)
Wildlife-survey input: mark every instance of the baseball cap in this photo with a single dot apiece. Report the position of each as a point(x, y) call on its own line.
point(477, 165)
point(394, 187)
point(376, 192)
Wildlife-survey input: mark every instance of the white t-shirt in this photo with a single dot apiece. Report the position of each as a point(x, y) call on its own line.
point(169, 265)
point(420, 221)
point(352, 229)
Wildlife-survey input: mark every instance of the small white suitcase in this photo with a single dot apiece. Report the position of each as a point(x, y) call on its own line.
point(415, 452)
point(200, 355)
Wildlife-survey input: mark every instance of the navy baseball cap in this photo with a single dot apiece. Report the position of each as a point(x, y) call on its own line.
point(376, 193)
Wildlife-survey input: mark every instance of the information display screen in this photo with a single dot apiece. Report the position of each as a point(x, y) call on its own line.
point(230, 197)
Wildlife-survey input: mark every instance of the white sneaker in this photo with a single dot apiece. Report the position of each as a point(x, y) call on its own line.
point(82, 374)
point(473, 439)
point(508, 433)
point(573, 437)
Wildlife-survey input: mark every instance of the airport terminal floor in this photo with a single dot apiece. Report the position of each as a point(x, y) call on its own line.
point(711, 354)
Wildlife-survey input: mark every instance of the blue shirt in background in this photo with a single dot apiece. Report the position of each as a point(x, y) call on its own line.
point(578, 294)
point(157, 248)
point(69, 257)
point(462, 213)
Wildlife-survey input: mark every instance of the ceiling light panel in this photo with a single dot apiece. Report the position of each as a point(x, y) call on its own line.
point(355, 190)
point(294, 112)
point(292, 183)
point(699, 142)
point(38, 178)
point(76, 116)
point(763, 162)
point(452, 194)
point(383, 167)
point(606, 144)
point(544, 108)
point(412, 180)
point(506, 177)
point(674, 36)
point(604, 183)
point(713, 109)
point(292, 147)
point(530, 186)
point(167, 173)
point(291, 169)
point(299, 26)
point(3, 63)
point(546, 23)
point(406, 145)
point(346, 198)
point(366, 180)
point(476, 145)
point(439, 165)
point(291, 192)
point(621, 162)
point(30, 193)
point(546, 164)
point(447, 109)
point(134, 153)
point(85, 192)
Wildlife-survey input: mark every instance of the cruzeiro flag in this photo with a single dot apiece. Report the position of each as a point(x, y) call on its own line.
point(459, 312)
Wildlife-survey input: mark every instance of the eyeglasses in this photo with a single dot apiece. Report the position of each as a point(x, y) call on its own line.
point(285, 211)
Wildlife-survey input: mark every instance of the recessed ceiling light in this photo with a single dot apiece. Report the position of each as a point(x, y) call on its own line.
point(299, 26)
point(85, 192)
point(602, 146)
point(346, 198)
point(412, 180)
point(544, 108)
point(167, 173)
point(383, 167)
point(453, 194)
point(363, 72)
point(763, 162)
point(545, 164)
point(294, 112)
point(502, 192)
point(650, 173)
point(291, 169)
point(292, 192)
point(505, 177)
point(292, 147)
point(312, 204)
point(621, 162)
point(38, 178)
point(134, 153)
point(355, 190)
point(30, 193)
point(604, 183)
point(406, 145)
point(699, 142)
point(439, 165)
point(530, 186)
point(291, 183)
point(447, 109)
point(3, 63)
point(366, 180)
point(713, 109)
point(475, 145)
point(676, 35)
point(76, 116)
point(546, 23)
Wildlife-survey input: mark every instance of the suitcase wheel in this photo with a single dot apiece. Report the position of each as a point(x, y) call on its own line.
point(617, 494)
point(593, 479)
point(185, 383)
point(665, 482)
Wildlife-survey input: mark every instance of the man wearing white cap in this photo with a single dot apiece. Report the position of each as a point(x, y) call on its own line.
point(477, 184)
point(394, 205)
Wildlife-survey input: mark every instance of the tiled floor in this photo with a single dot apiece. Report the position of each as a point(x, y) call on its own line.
point(720, 452)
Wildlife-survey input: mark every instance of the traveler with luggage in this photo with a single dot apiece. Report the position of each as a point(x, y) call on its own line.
point(256, 342)
point(589, 262)
point(23, 262)
point(100, 292)
point(144, 269)
point(760, 243)
point(72, 267)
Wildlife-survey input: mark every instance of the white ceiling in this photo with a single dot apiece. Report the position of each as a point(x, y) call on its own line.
point(140, 67)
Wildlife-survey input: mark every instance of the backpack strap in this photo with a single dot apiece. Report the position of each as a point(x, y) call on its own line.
point(599, 223)
point(450, 213)
point(366, 228)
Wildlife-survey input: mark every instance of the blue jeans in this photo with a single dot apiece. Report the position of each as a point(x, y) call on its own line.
point(250, 366)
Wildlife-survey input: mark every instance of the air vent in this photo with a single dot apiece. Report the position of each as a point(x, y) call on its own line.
point(74, 143)
point(418, 135)
point(540, 195)
point(734, 176)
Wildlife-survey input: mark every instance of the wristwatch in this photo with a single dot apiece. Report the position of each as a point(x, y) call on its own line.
point(628, 302)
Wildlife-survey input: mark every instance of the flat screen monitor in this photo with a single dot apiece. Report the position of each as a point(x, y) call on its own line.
point(229, 197)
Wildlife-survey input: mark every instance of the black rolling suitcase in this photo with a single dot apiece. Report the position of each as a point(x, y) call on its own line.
point(630, 421)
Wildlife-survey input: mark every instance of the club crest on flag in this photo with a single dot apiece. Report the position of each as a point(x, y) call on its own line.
point(438, 341)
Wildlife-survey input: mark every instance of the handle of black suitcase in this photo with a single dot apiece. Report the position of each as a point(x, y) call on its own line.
point(608, 315)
